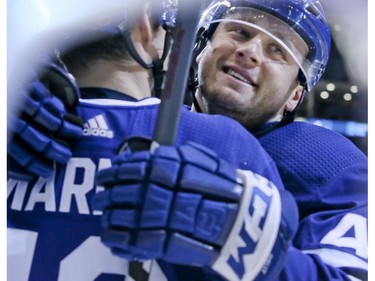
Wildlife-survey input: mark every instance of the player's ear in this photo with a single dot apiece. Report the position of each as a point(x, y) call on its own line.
point(145, 26)
point(151, 36)
point(294, 98)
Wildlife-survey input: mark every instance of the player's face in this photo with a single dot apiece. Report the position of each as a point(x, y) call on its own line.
point(250, 75)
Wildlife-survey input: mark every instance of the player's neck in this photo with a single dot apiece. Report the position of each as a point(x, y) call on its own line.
point(132, 80)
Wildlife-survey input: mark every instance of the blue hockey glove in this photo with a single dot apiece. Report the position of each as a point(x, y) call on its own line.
point(187, 206)
point(41, 128)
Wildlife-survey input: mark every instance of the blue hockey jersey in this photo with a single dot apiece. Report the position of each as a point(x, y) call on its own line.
point(328, 176)
point(53, 233)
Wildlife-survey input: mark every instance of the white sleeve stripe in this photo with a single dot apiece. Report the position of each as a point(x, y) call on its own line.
point(338, 258)
point(113, 102)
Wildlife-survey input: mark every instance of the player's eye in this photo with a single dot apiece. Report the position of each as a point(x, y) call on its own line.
point(243, 33)
point(276, 52)
point(238, 31)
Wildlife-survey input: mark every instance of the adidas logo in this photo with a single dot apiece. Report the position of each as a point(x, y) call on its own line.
point(97, 127)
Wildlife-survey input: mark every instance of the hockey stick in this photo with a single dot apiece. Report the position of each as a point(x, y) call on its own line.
point(177, 73)
point(173, 92)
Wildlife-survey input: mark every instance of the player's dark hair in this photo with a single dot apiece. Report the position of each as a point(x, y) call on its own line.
point(113, 48)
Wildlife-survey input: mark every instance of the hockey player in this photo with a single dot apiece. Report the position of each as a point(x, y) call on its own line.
point(260, 59)
point(218, 222)
point(256, 59)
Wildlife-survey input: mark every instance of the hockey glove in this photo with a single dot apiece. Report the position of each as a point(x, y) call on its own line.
point(187, 206)
point(41, 129)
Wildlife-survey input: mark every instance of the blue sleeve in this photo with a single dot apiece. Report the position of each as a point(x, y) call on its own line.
point(230, 140)
point(331, 243)
point(328, 177)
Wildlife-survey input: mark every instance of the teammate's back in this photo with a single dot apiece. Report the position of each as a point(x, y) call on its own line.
point(62, 233)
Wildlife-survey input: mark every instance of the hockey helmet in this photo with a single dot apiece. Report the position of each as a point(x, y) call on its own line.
point(305, 18)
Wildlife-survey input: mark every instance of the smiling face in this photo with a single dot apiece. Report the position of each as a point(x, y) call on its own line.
point(249, 69)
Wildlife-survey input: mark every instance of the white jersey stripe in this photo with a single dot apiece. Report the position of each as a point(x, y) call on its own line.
point(111, 102)
point(338, 258)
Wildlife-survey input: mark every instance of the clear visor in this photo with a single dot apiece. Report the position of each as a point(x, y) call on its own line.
point(281, 38)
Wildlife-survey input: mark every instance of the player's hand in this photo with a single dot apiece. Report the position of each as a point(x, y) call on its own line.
point(187, 206)
point(41, 129)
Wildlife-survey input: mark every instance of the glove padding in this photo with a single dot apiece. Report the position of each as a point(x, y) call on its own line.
point(187, 206)
point(42, 129)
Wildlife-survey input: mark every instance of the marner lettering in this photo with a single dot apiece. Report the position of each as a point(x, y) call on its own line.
point(56, 196)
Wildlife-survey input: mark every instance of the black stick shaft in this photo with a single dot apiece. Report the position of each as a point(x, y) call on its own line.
point(177, 74)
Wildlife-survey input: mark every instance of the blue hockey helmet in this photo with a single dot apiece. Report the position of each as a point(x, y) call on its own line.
point(306, 18)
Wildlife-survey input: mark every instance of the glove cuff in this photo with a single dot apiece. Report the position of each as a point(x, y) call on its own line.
point(256, 242)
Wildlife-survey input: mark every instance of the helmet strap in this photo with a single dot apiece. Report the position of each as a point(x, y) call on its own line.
point(196, 104)
point(132, 51)
point(192, 86)
point(157, 66)
point(288, 117)
point(159, 74)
